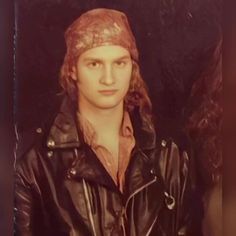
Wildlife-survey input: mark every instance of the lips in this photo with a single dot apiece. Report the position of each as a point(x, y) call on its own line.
point(108, 92)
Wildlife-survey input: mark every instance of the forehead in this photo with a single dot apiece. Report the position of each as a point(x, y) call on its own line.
point(106, 52)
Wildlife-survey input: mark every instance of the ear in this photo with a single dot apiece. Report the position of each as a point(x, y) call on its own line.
point(73, 73)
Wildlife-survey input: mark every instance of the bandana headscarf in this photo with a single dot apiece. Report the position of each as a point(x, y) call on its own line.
point(99, 27)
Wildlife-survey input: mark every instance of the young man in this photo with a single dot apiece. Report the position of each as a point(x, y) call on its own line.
point(99, 169)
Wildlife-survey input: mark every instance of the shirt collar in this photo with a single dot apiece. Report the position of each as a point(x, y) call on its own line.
point(126, 128)
point(90, 135)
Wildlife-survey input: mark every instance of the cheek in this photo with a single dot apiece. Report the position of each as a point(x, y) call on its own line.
point(84, 84)
point(86, 87)
point(124, 76)
point(128, 79)
point(87, 78)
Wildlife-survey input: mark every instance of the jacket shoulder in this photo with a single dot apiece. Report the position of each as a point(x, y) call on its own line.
point(28, 149)
point(173, 162)
point(30, 140)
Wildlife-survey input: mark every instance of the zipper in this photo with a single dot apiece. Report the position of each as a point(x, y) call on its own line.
point(127, 202)
point(123, 225)
point(88, 205)
point(137, 191)
point(150, 229)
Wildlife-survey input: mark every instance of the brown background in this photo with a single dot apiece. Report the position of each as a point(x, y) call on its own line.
point(173, 39)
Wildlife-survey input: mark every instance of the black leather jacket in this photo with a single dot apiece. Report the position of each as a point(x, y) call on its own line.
point(62, 189)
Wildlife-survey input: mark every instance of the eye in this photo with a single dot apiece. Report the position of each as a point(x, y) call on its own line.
point(120, 63)
point(94, 64)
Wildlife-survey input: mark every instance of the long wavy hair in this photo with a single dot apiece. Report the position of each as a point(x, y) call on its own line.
point(204, 125)
point(136, 97)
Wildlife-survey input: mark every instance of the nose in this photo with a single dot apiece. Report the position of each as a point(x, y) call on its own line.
point(107, 77)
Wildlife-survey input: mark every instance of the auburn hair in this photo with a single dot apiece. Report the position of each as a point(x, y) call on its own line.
point(205, 122)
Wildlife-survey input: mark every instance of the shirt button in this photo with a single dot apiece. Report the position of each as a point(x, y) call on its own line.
point(117, 212)
point(51, 143)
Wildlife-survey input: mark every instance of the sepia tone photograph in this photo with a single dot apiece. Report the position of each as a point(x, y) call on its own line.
point(118, 118)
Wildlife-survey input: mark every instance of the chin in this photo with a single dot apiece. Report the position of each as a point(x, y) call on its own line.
point(108, 105)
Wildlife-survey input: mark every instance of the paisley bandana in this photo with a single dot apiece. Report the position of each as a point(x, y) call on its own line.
point(99, 27)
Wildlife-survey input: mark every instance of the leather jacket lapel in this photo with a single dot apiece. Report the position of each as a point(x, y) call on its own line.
point(64, 134)
point(87, 166)
point(140, 172)
point(145, 136)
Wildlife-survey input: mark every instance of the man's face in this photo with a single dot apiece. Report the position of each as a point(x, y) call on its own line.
point(103, 76)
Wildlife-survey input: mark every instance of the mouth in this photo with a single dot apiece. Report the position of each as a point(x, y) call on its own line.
point(108, 92)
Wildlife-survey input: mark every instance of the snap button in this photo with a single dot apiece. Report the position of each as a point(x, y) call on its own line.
point(50, 153)
point(72, 171)
point(51, 143)
point(163, 143)
point(152, 171)
point(117, 213)
point(39, 130)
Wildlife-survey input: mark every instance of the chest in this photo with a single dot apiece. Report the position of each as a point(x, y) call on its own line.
point(92, 206)
point(88, 197)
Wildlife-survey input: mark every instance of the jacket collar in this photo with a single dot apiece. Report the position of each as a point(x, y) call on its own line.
point(145, 135)
point(64, 132)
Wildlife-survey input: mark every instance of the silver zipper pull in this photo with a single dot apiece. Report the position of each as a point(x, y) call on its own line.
point(170, 201)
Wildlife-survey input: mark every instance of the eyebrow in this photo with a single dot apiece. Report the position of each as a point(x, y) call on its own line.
point(123, 58)
point(100, 60)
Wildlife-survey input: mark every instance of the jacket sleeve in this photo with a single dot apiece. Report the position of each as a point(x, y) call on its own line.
point(23, 206)
point(26, 195)
point(180, 199)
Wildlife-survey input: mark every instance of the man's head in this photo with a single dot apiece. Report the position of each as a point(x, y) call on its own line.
point(103, 77)
point(101, 28)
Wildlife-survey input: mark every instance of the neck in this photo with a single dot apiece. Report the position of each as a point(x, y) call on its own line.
point(103, 120)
